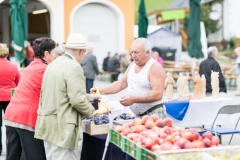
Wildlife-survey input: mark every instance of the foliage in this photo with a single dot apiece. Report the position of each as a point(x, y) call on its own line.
point(152, 5)
point(210, 25)
point(232, 43)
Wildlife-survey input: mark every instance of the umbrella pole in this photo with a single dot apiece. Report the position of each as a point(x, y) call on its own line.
point(106, 147)
point(193, 65)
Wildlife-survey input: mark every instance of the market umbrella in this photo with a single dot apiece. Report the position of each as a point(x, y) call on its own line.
point(143, 21)
point(19, 26)
point(194, 33)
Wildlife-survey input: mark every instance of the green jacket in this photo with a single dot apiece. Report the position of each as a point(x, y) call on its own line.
point(63, 102)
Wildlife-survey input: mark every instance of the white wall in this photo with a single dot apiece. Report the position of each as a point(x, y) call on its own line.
point(100, 26)
point(231, 21)
point(56, 9)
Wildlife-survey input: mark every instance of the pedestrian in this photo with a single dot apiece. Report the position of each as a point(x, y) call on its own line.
point(236, 67)
point(207, 66)
point(113, 64)
point(21, 114)
point(10, 77)
point(90, 68)
point(144, 80)
point(64, 102)
point(105, 62)
point(125, 62)
point(156, 56)
point(58, 52)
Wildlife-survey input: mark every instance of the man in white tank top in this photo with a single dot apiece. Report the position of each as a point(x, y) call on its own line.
point(144, 80)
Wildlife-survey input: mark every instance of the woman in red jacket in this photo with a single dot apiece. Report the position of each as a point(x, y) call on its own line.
point(9, 78)
point(21, 114)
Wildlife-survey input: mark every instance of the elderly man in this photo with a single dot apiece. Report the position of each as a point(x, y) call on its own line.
point(63, 102)
point(144, 80)
point(208, 65)
point(90, 68)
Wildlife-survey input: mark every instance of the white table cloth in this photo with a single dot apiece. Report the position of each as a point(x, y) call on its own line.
point(203, 112)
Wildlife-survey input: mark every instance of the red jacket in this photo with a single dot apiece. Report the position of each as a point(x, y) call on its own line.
point(9, 78)
point(24, 103)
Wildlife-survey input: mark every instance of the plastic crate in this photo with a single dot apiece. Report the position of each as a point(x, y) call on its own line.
point(145, 154)
point(115, 138)
point(130, 147)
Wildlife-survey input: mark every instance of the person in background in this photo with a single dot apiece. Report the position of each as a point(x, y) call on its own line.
point(113, 64)
point(90, 68)
point(29, 55)
point(236, 67)
point(58, 52)
point(156, 56)
point(64, 102)
point(21, 114)
point(208, 65)
point(125, 62)
point(105, 62)
point(144, 80)
point(9, 78)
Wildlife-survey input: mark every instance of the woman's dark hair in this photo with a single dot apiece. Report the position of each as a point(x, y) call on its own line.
point(40, 45)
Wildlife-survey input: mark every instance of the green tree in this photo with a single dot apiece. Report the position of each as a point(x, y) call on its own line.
point(210, 25)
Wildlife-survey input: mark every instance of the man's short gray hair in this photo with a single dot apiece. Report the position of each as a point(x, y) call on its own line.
point(145, 44)
point(212, 50)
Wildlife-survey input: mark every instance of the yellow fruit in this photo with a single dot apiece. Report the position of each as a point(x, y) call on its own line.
point(97, 91)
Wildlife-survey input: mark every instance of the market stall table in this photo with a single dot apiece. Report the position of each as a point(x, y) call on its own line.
point(93, 148)
point(200, 112)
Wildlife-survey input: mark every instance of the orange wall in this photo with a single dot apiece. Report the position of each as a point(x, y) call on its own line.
point(127, 8)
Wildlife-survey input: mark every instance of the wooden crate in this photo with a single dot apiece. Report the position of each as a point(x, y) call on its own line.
point(93, 129)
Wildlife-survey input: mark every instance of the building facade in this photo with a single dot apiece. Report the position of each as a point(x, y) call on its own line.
point(107, 24)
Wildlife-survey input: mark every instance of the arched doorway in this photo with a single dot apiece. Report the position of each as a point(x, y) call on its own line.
point(38, 24)
point(103, 24)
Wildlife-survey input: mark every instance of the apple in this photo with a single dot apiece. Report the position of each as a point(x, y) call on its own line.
point(168, 122)
point(154, 117)
point(131, 135)
point(149, 124)
point(175, 147)
point(118, 129)
point(181, 142)
point(144, 119)
point(207, 142)
point(126, 131)
point(149, 143)
point(208, 135)
point(166, 146)
point(167, 130)
point(215, 140)
point(198, 144)
point(187, 135)
point(137, 129)
point(155, 147)
point(137, 121)
point(188, 145)
point(170, 139)
point(163, 135)
point(153, 135)
point(160, 123)
point(194, 136)
point(145, 133)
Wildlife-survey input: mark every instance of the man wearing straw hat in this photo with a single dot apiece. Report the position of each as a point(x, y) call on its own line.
point(63, 102)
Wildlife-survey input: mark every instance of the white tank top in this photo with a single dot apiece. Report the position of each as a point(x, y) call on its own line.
point(138, 84)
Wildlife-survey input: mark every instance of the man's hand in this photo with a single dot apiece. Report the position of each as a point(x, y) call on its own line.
point(93, 109)
point(127, 100)
point(95, 90)
point(94, 97)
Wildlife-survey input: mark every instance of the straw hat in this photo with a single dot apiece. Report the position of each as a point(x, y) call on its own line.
point(76, 41)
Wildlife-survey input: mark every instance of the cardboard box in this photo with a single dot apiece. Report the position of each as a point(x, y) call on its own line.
point(93, 129)
point(122, 122)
